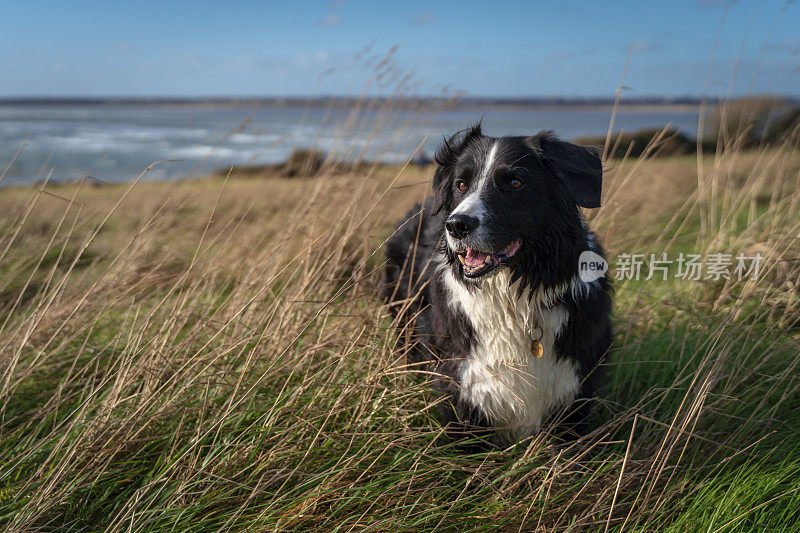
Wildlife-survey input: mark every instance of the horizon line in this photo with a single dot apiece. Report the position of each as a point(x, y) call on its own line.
point(456, 100)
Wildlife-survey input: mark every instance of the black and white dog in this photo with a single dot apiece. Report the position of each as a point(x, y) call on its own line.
point(485, 277)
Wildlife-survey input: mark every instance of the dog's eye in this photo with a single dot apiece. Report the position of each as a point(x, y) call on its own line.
point(462, 186)
point(515, 183)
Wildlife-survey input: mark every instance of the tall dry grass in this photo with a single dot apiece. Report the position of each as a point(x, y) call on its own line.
point(212, 356)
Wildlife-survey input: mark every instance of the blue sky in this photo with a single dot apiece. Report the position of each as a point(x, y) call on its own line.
point(502, 48)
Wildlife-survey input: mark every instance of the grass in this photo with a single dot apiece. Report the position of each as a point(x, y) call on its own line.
point(212, 356)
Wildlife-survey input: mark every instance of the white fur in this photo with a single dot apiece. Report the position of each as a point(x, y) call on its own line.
point(500, 376)
point(472, 205)
point(580, 289)
point(488, 166)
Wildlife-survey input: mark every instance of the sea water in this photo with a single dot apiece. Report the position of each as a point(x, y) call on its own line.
point(117, 142)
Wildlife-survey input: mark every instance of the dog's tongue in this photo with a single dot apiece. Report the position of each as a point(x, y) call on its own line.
point(474, 258)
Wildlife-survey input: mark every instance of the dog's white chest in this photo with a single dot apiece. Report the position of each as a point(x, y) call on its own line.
point(500, 376)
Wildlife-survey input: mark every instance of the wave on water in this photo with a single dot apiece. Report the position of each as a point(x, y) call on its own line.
point(116, 143)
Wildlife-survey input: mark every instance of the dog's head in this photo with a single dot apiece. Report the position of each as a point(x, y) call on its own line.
point(513, 202)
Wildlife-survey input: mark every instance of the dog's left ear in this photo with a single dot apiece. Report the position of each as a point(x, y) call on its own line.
point(579, 167)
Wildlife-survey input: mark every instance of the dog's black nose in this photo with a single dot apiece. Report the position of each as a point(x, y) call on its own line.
point(459, 226)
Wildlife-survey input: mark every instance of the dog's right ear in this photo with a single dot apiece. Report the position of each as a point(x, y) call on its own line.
point(446, 157)
point(580, 168)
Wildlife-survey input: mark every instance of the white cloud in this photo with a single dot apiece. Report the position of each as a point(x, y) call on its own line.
point(193, 61)
point(319, 59)
point(331, 20)
point(425, 18)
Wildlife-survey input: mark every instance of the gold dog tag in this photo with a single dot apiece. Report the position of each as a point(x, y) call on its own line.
point(537, 350)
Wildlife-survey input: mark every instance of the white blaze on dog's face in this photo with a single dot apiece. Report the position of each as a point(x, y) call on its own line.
point(512, 197)
point(472, 205)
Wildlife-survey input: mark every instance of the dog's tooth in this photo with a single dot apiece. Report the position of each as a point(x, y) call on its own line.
point(461, 258)
point(488, 259)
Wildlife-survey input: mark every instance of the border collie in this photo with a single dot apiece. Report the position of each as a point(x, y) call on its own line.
point(484, 279)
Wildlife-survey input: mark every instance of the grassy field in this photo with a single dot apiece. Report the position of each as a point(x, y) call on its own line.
point(212, 356)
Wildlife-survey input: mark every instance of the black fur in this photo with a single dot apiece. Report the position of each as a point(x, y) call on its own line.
point(558, 178)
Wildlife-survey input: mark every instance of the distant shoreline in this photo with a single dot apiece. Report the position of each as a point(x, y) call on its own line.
point(640, 104)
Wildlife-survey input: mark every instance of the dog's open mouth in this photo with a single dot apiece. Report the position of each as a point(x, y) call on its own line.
point(476, 263)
